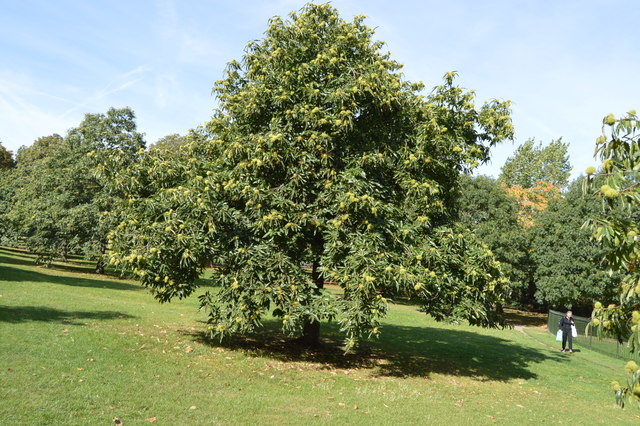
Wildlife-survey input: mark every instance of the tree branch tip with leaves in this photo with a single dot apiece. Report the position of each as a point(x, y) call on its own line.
point(616, 228)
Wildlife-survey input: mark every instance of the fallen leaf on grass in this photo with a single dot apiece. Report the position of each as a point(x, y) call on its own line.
point(79, 368)
point(64, 330)
point(90, 359)
point(341, 404)
point(193, 407)
point(188, 349)
point(151, 419)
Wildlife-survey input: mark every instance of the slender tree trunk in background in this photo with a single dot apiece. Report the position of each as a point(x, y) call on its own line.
point(531, 291)
point(101, 264)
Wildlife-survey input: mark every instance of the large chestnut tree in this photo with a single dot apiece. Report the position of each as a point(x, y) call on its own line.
point(320, 154)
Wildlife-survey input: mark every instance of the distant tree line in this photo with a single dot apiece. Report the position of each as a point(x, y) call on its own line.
point(52, 196)
point(532, 218)
point(56, 199)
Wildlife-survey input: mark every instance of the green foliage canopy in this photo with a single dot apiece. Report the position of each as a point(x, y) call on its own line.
point(568, 266)
point(492, 214)
point(6, 202)
point(42, 147)
point(6, 158)
point(532, 163)
point(171, 143)
point(58, 204)
point(319, 154)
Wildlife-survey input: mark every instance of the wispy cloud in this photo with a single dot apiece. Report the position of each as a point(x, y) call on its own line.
point(118, 84)
point(165, 87)
point(27, 112)
point(23, 117)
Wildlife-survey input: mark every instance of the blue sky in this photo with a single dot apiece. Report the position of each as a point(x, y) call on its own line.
point(564, 64)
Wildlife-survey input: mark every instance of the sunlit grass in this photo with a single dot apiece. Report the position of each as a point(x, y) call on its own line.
point(76, 348)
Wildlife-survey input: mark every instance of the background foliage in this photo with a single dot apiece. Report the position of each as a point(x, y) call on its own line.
point(58, 204)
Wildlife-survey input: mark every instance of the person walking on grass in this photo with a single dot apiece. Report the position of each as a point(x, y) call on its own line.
point(565, 324)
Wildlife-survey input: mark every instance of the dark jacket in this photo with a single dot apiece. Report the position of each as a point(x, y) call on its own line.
point(565, 324)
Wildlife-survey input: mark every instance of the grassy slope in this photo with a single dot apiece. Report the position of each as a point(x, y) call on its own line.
point(77, 349)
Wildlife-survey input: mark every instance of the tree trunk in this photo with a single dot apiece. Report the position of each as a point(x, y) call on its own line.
point(311, 329)
point(100, 266)
point(101, 263)
point(310, 334)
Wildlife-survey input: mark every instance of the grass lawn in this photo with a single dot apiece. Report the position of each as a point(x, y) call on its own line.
point(80, 349)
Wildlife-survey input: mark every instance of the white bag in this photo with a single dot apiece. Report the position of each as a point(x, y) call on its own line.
point(574, 332)
point(559, 336)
